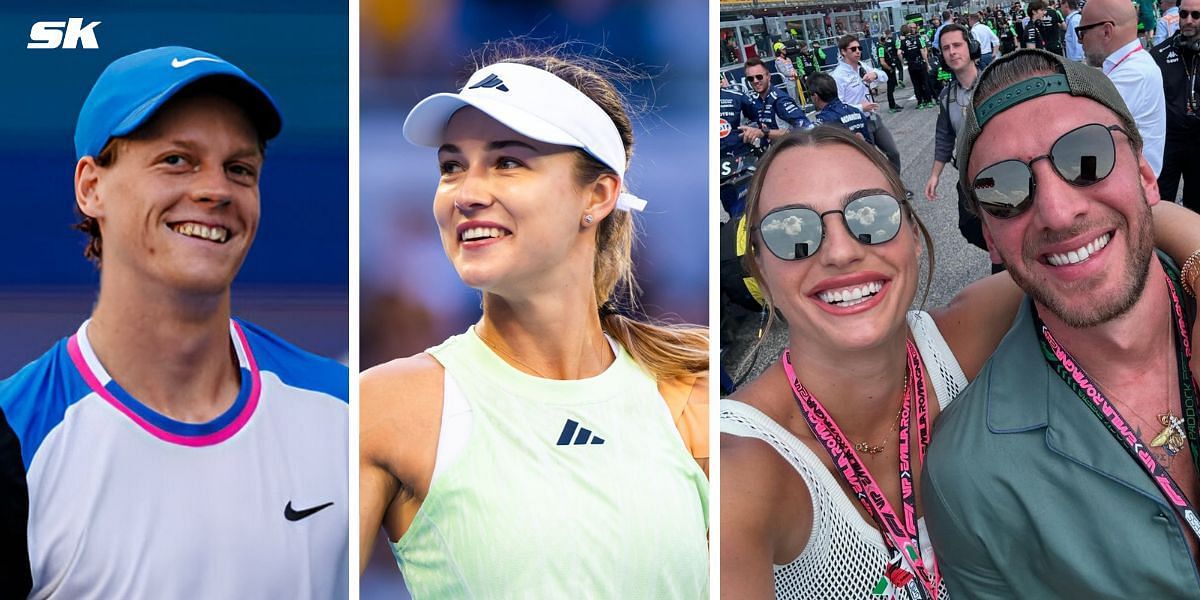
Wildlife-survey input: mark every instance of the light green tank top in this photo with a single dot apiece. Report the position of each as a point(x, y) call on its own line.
point(564, 489)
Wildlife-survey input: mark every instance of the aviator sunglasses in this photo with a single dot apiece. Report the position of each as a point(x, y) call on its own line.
point(1081, 157)
point(796, 232)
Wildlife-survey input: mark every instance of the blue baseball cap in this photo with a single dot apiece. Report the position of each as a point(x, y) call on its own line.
point(134, 87)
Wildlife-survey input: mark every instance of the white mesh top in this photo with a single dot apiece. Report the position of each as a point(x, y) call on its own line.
point(845, 555)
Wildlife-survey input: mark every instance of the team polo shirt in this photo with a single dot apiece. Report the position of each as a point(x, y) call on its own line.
point(125, 502)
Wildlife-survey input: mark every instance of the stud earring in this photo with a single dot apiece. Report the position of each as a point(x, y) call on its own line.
point(587, 219)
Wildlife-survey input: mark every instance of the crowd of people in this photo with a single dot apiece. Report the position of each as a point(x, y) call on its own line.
point(1151, 60)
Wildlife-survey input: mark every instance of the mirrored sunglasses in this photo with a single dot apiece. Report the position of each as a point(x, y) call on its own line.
point(1081, 157)
point(796, 232)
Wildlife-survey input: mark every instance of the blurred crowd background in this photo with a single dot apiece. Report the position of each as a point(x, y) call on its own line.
point(411, 297)
point(295, 279)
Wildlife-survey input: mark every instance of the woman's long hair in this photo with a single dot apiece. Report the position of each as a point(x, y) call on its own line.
point(666, 350)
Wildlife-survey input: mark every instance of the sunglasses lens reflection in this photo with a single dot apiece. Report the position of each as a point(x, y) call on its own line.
point(1003, 189)
point(796, 233)
point(792, 233)
point(1082, 157)
point(873, 219)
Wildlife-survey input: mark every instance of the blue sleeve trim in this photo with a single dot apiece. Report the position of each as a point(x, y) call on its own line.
point(36, 398)
point(296, 367)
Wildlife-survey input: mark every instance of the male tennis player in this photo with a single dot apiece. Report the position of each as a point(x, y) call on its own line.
point(170, 451)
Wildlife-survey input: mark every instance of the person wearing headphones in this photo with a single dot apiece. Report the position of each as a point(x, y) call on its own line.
point(959, 49)
point(1179, 59)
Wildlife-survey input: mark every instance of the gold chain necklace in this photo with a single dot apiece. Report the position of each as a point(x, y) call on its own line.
point(509, 357)
point(868, 448)
point(1171, 438)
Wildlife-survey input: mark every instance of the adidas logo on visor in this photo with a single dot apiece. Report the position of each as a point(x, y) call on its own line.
point(583, 437)
point(491, 81)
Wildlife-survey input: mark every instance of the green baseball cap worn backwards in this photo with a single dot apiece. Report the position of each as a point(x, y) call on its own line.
point(1074, 78)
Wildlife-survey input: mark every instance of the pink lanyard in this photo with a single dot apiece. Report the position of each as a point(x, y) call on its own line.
point(901, 537)
point(1127, 55)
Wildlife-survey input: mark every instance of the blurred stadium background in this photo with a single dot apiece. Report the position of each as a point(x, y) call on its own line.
point(295, 279)
point(411, 297)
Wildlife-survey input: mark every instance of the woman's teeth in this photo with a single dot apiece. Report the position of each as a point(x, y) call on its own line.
point(852, 295)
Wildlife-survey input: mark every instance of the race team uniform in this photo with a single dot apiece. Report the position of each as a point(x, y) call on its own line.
point(840, 114)
point(128, 503)
point(886, 54)
point(1008, 39)
point(734, 106)
point(1034, 37)
point(1167, 25)
point(809, 62)
point(776, 108)
point(910, 48)
point(1182, 146)
point(1050, 31)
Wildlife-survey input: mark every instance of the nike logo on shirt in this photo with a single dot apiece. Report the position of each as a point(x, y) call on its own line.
point(295, 515)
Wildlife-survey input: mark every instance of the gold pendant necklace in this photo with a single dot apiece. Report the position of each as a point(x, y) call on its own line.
point(1171, 436)
point(868, 448)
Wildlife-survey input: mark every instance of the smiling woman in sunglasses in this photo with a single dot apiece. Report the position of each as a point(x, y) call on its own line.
point(821, 453)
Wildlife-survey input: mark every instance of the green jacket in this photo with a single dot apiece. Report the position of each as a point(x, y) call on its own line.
point(1027, 495)
point(810, 63)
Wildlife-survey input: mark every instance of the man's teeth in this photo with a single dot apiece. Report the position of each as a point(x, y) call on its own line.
point(851, 296)
point(479, 233)
point(1081, 254)
point(204, 232)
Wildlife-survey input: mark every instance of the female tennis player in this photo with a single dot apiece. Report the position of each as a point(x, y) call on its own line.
point(822, 453)
point(557, 448)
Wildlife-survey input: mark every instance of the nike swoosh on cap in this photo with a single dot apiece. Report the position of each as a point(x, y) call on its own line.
point(179, 64)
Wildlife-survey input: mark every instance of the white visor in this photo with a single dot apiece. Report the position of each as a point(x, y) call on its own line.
point(534, 103)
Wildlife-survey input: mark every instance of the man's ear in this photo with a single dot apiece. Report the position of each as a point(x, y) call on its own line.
point(1149, 181)
point(987, 237)
point(87, 184)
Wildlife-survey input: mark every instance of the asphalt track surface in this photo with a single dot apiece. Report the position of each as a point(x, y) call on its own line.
point(958, 263)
